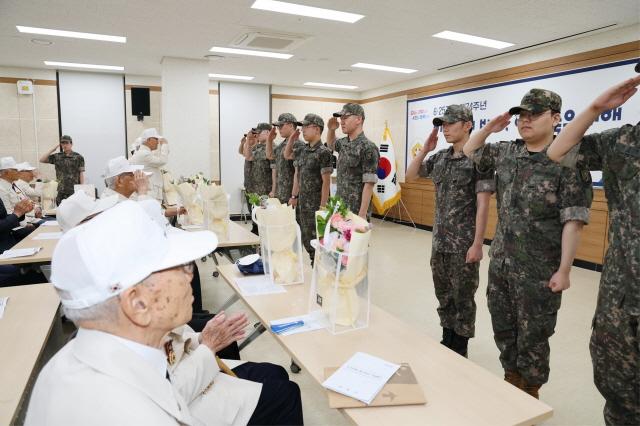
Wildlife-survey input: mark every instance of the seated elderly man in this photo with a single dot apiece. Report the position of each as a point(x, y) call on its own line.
point(26, 175)
point(265, 397)
point(11, 195)
point(115, 370)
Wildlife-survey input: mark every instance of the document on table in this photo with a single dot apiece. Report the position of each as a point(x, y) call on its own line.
point(257, 285)
point(362, 377)
point(10, 254)
point(49, 223)
point(48, 236)
point(3, 303)
point(313, 321)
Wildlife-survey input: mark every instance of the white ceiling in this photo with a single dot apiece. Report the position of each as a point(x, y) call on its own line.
point(392, 33)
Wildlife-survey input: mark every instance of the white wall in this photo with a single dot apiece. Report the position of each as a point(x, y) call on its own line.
point(242, 106)
point(92, 113)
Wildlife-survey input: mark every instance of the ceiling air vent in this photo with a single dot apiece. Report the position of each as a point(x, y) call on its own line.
point(269, 41)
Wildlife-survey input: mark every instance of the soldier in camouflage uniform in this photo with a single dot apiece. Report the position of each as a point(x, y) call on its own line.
point(541, 210)
point(615, 341)
point(358, 159)
point(247, 143)
point(260, 164)
point(69, 167)
point(313, 161)
point(284, 169)
point(462, 207)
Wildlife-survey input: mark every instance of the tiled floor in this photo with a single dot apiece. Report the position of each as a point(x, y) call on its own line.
point(402, 285)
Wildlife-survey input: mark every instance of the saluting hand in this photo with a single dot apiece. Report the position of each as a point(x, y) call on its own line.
point(616, 95)
point(295, 135)
point(141, 181)
point(499, 123)
point(333, 124)
point(431, 141)
point(272, 134)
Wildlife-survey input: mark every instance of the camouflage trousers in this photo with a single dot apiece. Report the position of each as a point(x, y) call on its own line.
point(523, 312)
point(615, 352)
point(455, 284)
point(307, 221)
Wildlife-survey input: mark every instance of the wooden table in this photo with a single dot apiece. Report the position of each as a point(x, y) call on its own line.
point(30, 318)
point(43, 256)
point(458, 391)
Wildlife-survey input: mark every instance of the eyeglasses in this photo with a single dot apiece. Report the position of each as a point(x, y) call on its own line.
point(345, 116)
point(529, 116)
point(64, 142)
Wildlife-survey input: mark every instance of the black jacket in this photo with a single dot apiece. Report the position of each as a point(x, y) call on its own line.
point(8, 221)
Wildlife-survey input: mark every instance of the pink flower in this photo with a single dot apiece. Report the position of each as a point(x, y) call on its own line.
point(347, 234)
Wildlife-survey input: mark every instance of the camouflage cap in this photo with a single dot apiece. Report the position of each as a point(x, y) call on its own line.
point(66, 138)
point(263, 126)
point(350, 109)
point(454, 113)
point(312, 119)
point(286, 117)
point(537, 101)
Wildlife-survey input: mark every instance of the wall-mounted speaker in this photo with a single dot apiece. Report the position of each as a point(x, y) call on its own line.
point(140, 102)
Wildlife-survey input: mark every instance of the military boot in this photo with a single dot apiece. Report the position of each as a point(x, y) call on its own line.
point(514, 378)
point(531, 389)
point(459, 344)
point(447, 336)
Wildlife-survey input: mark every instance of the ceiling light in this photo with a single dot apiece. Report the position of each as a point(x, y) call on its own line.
point(383, 68)
point(71, 34)
point(41, 41)
point(466, 38)
point(87, 66)
point(330, 85)
point(250, 52)
point(231, 77)
point(310, 11)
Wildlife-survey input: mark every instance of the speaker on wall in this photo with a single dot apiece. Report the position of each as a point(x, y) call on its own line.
point(140, 102)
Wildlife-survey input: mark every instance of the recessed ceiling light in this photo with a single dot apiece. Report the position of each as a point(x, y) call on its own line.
point(330, 85)
point(41, 41)
point(345, 70)
point(231, 77)
point(466, 38)
point(310, 11)
point(71, 34)
point(383, 68)
point(87, 66)
point(214, 57)
point(250, 52)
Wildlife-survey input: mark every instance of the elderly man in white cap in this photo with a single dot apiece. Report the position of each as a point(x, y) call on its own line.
point(115, 370)
point(10, 193)
point(26, 175)
point(153, 153)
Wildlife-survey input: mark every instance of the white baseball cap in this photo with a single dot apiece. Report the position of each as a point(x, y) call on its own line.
point(117, 250)
point(119, 165)
point(149, 133)
point(79, 206)
point(8, 163)
point(25, 167)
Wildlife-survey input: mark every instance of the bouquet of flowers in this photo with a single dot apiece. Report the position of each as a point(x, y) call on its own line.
point(171, 196)
point(216, 208)
point(49, 194)
point(280, 241)
point(340, 267)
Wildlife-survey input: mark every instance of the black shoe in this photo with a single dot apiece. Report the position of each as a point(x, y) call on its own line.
point(447, 337)
point(459, 344)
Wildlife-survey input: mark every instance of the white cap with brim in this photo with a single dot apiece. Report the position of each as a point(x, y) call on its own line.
point(149, 133)
point(8, 163)
point(79, 206)
point(117, 250)
point(119, 165)
point(25, 167)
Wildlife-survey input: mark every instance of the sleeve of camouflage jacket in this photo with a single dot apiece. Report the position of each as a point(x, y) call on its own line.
point(426, 168)
point(590, 152)
point(576, 194)
point(326, 165)
point(485, 180)
point(370, 161)
point(81, 163)
point(52, 159)
point(486, 156)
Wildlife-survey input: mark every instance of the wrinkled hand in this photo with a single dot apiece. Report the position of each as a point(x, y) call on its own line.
point(141, 181)
point(221, 331)
point(616, 95)
point(431, 141)
point(474, 254)
point(559, 281)
point(333, 124)
point(22, 207)
point(38, 212)
point(499, 123)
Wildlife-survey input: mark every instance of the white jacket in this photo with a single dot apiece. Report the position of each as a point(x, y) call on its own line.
point(214, 398)
point(153, 162)
point(96, 380)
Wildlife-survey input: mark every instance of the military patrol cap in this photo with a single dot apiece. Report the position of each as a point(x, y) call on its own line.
point(350, 109)
point(538, 100)
point(66, 138)
point(263, 126)
point(454, 113)
point(312, 119)
point(286, 117)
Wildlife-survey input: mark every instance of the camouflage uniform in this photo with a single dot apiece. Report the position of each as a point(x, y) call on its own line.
point(536, 197)
point(357, 163)
point(615, 341)
point(68, 169)
point(261, 166)
point(284, 168)
point(312, 162)
point(457, 182)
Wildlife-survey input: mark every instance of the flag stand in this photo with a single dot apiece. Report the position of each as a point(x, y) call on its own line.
point(399, 204)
